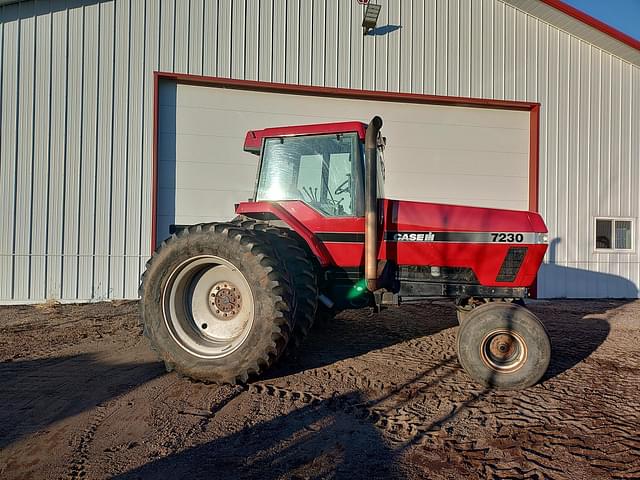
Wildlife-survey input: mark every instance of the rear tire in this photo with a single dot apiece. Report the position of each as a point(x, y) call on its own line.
point(503, 345)
point(216, 303)
point(304, 281)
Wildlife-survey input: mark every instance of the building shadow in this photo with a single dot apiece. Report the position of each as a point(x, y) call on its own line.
point(563, 281)
point(37, 393)
point(575, 333)
point(559, 281)
point(167, 157)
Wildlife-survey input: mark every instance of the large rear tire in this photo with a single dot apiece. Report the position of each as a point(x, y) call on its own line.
point(216, 303)
point(503, 345)
point(305, 271)
point(299, 264)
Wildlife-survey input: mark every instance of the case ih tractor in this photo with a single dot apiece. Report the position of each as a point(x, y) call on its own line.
point(222, 301)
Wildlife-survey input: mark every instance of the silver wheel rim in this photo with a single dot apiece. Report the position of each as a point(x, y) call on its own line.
point(208, 306)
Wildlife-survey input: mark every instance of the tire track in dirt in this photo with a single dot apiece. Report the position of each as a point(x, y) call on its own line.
point(530, 427)
point(398, 421)
point(80, 454)
point(394, 375)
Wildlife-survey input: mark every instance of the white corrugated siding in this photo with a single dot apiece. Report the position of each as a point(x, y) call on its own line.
point(77, 111)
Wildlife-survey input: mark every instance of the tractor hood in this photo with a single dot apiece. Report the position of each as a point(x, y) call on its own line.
point(482, 239)
point(401, 215)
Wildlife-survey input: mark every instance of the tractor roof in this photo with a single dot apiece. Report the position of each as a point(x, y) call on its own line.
point(253, 140)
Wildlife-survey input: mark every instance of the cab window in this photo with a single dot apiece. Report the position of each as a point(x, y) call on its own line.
point(320, 170)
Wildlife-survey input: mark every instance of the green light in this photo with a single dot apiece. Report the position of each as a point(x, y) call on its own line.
point(358, 289)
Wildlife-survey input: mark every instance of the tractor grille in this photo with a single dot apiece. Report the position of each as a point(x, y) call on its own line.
point(445, 274)
point(511, 265)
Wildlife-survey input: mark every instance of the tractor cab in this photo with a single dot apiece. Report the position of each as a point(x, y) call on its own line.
point(320, 165)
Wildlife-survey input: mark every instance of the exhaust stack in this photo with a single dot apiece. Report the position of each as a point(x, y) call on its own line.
point(371, 203)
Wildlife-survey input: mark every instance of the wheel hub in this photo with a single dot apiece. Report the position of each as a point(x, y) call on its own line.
point(503, 347)
point(225, 300)
point(503, 351)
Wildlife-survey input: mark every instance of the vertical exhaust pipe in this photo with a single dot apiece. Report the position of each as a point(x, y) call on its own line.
point(371, 203)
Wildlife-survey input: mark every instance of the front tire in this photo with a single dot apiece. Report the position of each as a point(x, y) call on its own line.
point(503, 345)
point(216, 303)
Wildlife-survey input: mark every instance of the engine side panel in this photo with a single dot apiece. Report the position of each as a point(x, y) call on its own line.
point(417, 233)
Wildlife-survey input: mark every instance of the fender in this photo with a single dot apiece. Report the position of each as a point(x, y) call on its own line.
point(316, 246)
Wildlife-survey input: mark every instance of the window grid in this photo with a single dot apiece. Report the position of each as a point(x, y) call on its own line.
point(614, 234)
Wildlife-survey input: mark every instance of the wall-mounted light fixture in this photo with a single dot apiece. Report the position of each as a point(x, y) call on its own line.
point(370, 17)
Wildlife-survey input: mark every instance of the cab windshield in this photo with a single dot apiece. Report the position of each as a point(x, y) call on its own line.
point(320, 170)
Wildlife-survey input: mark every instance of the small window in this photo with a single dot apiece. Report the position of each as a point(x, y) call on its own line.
point(614, 234)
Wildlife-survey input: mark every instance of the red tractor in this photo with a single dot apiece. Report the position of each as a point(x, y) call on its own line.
point(222, 301)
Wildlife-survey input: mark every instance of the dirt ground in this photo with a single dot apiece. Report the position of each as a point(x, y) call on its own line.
point(369, 397)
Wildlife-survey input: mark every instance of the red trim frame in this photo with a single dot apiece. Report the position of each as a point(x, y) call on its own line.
point(154, 166)
point(593, 22)
point(532, 107)
point(534, 157)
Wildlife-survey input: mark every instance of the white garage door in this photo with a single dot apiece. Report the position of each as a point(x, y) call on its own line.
point(448, 154)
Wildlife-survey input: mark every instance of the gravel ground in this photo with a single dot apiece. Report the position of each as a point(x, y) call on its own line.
point(368, 397)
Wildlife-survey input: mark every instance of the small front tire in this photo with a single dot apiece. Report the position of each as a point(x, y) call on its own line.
point(503, 345)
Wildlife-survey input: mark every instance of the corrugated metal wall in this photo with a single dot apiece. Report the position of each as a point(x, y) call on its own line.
point(77, 110)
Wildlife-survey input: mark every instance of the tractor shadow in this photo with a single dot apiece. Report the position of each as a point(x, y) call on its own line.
point(353, 333)
point(576, 330)
point(341, 437)
point(324, 439)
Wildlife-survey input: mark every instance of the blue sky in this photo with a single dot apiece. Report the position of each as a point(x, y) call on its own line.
point(623, 15)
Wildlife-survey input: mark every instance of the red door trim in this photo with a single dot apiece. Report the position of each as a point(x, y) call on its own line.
point(534, 157)
point(154, 166)
point(532, 107)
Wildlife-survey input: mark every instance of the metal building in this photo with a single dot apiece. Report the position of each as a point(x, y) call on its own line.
point(121, 118)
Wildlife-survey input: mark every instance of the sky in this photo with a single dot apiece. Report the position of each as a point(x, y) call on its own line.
point(623, 15)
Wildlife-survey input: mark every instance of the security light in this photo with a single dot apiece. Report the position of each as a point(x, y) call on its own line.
point(370, 17)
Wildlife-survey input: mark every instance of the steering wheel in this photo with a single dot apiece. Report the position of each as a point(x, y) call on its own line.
point(343, 187)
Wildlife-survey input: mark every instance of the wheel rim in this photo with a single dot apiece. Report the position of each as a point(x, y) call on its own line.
point(503, 351)
point(208, 306)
